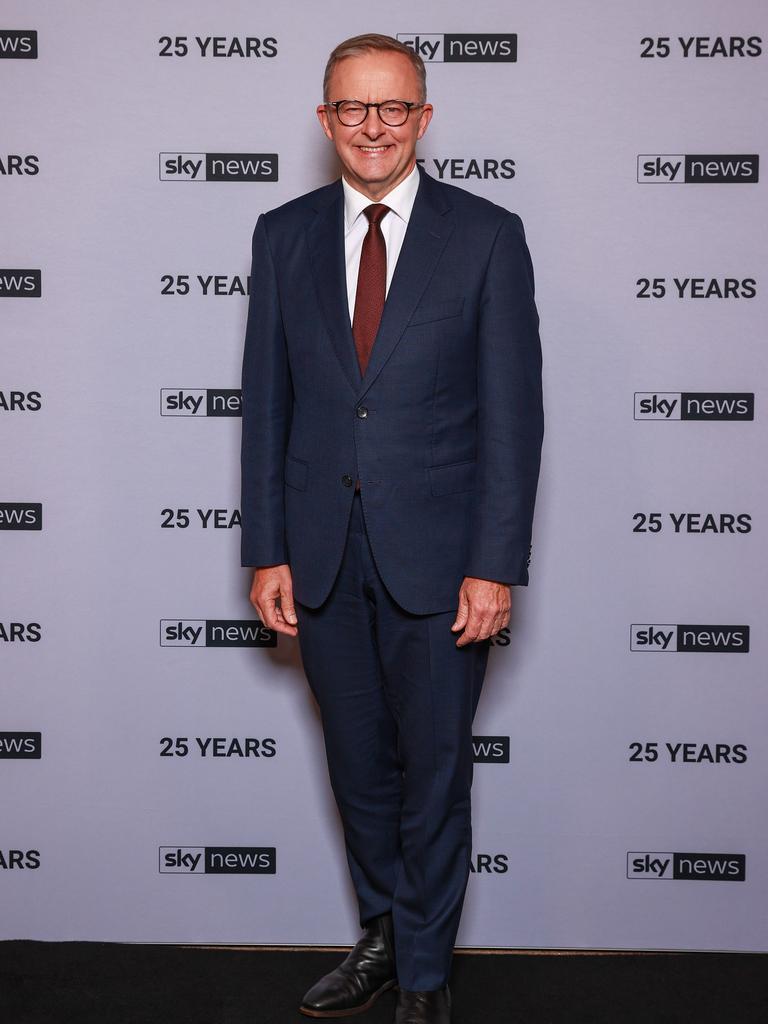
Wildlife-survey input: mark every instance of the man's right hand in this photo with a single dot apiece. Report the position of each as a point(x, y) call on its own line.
point(272, 597)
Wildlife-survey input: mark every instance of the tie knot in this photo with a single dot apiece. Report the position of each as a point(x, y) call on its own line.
point(375, 213)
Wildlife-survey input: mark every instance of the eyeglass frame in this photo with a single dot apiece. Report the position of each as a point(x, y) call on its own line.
point(408, 104)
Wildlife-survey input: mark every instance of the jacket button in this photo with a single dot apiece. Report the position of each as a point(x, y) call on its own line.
point(362, 412)
point(347, 480)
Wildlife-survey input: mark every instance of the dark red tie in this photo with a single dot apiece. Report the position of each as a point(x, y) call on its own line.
point(371, 285)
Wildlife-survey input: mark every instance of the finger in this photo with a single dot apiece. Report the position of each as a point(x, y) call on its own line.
point(462, 612)
point(267, 614)
point(277, 621)
point(470, 632)
point(281, 627)
point(499, 623)
point(284, 625)
point(255, 598)
point(484, 629)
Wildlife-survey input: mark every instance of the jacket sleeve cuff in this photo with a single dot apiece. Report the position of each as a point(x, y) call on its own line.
point(251, 557)
point(512, 570)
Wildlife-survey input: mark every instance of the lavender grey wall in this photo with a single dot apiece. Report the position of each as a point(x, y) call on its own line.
point(555, 824)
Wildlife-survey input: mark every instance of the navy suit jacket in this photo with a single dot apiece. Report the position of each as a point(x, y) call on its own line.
point(445, 428)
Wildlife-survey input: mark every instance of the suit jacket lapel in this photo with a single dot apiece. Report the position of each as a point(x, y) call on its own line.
point(429, 228)
point(325, 238)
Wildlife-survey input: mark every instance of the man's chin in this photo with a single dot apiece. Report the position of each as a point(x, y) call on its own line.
point(373, 175)
point(377, 177)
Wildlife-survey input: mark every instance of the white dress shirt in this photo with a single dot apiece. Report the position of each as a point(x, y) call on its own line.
point(400, 201)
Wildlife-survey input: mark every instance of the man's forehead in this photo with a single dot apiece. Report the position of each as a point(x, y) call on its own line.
point(374, 72)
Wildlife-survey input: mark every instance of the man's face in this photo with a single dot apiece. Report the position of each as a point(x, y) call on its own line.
point(374, 156)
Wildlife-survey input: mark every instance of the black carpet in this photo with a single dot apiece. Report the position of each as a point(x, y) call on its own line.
point(112, 983)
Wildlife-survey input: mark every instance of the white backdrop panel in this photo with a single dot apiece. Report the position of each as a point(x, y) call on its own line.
point(613, 752)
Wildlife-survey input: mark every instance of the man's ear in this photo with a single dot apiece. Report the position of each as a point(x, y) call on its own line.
point(426, 116)
point(324, 119)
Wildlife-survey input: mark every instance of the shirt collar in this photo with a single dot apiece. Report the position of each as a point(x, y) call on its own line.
point(400, 200)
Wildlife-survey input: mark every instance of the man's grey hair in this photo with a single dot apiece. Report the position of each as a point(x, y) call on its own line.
point(358, 46)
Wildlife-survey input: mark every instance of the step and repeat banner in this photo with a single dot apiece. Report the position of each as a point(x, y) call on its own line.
point(162, 774)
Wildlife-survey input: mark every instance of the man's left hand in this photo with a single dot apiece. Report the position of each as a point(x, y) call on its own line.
point(483, 609)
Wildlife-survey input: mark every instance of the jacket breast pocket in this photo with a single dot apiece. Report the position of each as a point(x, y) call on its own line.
point(433, 311)
point(453, 477)
point(296, 473)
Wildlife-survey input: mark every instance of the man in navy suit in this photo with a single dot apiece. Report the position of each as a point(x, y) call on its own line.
point(392, 428)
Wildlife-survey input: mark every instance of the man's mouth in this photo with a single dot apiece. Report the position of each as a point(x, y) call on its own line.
point(374, 149)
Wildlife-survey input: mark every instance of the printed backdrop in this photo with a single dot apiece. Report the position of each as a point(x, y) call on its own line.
point(151, 728)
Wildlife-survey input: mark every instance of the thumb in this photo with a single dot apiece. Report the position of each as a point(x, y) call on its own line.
point(287, 608)
point(462, 613)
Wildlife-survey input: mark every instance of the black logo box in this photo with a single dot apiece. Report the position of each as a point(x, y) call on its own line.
point(465, 38)
point(693, 646)
point(10, 742)
point(215, 854)
point(11, 40)
point(217, 401)
point(684, 866)
point(688, 398)
point(213, 625)
point(35, 292)
point(211, 174)
point(19, 507)
point(490, 749)
point(694, 176)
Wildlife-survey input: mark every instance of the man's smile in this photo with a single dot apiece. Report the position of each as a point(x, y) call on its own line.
point(375, 156)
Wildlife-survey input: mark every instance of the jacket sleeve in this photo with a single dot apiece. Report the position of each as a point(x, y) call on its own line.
point(510, 412)
point(267, 404)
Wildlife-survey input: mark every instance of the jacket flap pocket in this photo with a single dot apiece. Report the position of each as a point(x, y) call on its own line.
point(453, 477)
point(437, 311)
point(296, 473)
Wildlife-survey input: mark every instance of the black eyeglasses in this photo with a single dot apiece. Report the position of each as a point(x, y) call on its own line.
point(391, 112)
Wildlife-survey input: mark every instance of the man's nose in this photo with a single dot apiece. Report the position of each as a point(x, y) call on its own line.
point(372, 125)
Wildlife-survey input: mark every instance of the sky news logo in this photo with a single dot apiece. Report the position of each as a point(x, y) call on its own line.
point(698, 169)
point(18, 44)
point(201, 402)
point(21, 515)
point(667, 638)
point(694, 405)
point(216, 633)
point(464, 47)
point(218, 860)
point(20, 284)
point(21, 745)
point(695, 867)
point(218, 167)
point(490, 749)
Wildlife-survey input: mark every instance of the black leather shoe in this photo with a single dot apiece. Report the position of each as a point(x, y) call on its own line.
point(423, 1007)
point(359, 980)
